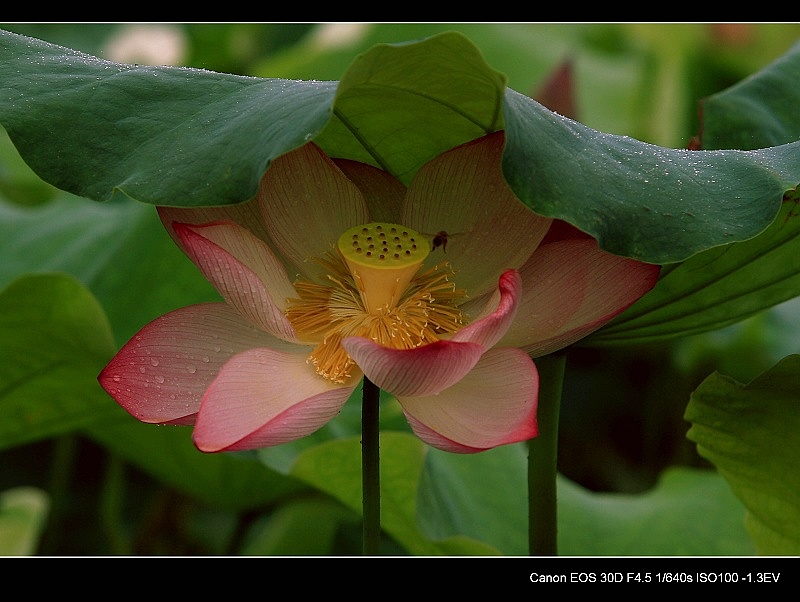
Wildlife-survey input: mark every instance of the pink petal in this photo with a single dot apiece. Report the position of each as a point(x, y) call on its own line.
point(463, 192)
point(161, 374)
point(424, 370)
point(244, 271)
point(570, 289)
point(495, 404)
point(383, 193)
point(488, 330)
point(247, 215)
point(561, 230)
point(306, 203)
point(264, 397)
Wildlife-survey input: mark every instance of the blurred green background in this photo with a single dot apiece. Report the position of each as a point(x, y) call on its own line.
point(622, 412)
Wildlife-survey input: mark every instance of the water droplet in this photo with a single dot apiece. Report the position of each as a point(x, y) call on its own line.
point(115, 378)
point(154, 361)
point(141, 369)
point(159, 379)
point(191, 369)
point(206, 359)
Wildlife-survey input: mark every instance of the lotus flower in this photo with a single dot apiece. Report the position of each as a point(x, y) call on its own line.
point(440, 294)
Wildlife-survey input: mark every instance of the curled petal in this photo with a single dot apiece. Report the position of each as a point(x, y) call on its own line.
point(423, 370)
point(428, 369)
point(489, 329)
point(161, 374)
point(264, 397)
point(247, 215)
point(570, 289)
point(495, 404)
point(244, 270)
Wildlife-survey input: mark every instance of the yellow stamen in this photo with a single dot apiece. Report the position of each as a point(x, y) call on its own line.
point(385, 299)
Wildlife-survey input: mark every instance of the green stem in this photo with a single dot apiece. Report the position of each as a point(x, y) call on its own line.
point(543, 459)
point(62, 470)
point(112, 498)
point(370, 467)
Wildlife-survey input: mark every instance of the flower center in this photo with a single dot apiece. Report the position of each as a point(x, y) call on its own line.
point(376, 289)
point(383, 258)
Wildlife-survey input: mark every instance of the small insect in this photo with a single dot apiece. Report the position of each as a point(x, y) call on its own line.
point(439, 240)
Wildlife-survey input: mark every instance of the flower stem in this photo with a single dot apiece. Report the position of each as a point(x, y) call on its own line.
point(370, 467)
point(543, 459)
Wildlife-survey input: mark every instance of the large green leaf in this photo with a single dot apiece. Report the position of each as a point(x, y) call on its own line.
point(682, 197)
point(752, 435)
point(727, 284)
point(483, 496)
point(689, 513)
point(232, 481)
point(640, 200)
point(757, 112)
point(335, 468)
point(399, 106)
point(435, 503)
point(18, 183)
point(164, 136)
point(716, 288)
point(54, 340)
point(302, 527)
